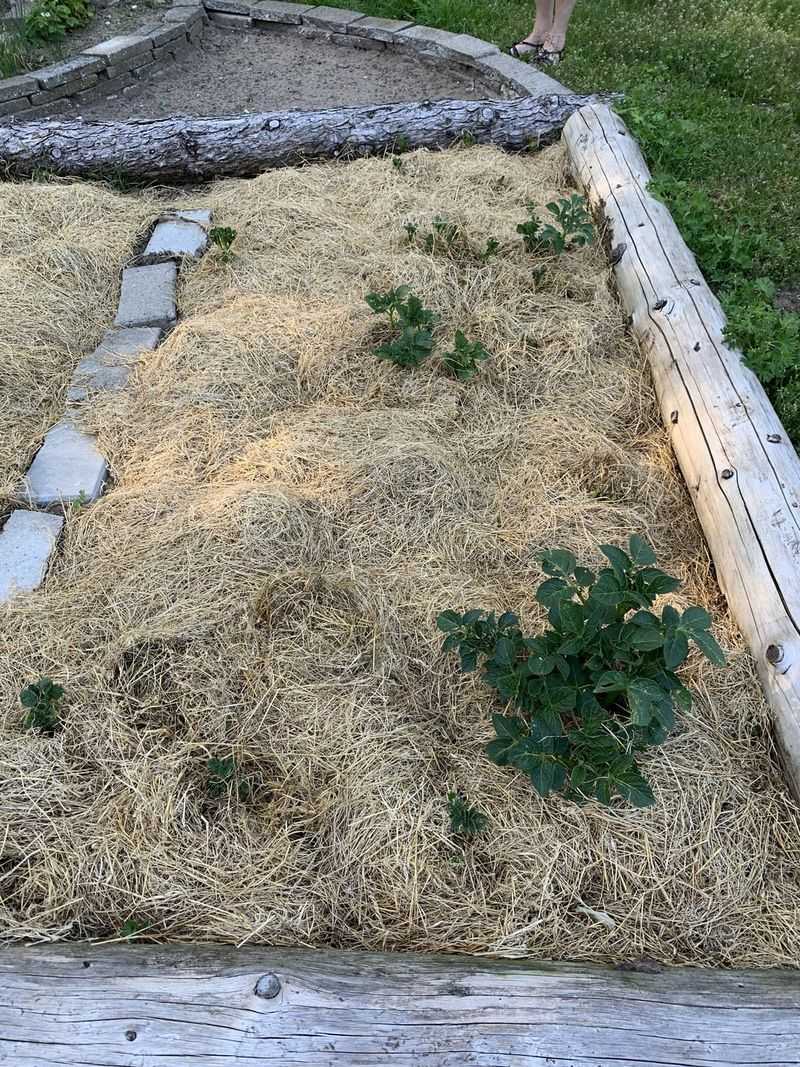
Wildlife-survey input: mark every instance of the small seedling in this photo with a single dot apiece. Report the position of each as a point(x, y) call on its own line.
point(465, 821)
point(403, 308)
point(42, 699)
point(411, 231)
point(397, 163)
point(464, 359)
point(223, 237)
point(80, 501)
point(575, 227)
point(223, 776)
point(492, 248)
point(131, 929)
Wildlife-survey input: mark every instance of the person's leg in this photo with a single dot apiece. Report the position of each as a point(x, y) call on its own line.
point(542, 26)
point(557, 34)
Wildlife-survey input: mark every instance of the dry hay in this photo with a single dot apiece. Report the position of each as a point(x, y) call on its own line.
point(287, 519)
point(61, 250)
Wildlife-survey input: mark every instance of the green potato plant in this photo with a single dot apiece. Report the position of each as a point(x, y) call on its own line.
point(464, 359)
point(43, 701)
point(598, 686)
point(574, 226)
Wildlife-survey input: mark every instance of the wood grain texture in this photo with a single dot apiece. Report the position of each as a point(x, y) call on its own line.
point(182, 148)
point(197, 1006)
point(740, 467)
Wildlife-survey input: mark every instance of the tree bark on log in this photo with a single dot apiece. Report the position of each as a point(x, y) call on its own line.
point(739, 464)
point(182, 148)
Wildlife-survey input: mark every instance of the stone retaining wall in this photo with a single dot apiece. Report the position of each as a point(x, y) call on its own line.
point(117, 65)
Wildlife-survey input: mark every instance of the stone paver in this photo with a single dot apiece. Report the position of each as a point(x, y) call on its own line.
point(110, 365)
point(331, 18)
point(523, 77)
point(198, 215)
point(278, 11)
point(378, 29)
point(177, 237)
point(67, 467)
point(444, 44)
point(118, 48)
point(26, 543)
point(148, 296)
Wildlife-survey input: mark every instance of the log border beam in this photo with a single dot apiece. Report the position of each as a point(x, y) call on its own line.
point(738, 462)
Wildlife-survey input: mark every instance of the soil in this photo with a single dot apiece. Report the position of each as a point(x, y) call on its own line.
point(788, 300)
point(235, 72)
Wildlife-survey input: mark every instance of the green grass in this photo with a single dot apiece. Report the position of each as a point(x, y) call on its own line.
point(712, 93)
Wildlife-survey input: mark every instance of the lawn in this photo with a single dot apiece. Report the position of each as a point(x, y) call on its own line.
point(711, 91)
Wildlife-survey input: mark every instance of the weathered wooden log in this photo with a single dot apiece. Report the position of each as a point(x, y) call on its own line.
point(737, 459)
point(182, 148)
point(204, 1005)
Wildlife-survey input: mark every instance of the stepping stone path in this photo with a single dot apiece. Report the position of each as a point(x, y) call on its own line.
point(69, 467)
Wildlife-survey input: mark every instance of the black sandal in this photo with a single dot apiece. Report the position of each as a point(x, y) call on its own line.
point(525, 51)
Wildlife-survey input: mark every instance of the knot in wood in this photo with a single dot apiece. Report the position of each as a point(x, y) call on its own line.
point(774, 654)
point(130, 1035)
point(774, 438)
point(274, 124)
point(268, 986)
point(673, 417)
point(727, 473)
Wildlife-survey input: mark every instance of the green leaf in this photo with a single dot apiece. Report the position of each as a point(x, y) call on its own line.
point(472, 616)
point(619, 560)
point(544, 771)
point(670, 617)
point(584, 577)
point(632, 787)
point(612, 682)
point(448, 620)
point(709, 647)
point(559, 561)
point(510, 732)
point(508, 618)
point(504, 652)
point(676, 649)
point(552, 591)
point(640, 551)
point(647, 639)
point(695, 619)
point(540, 665)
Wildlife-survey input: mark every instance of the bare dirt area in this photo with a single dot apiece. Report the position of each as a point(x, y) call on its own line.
point(232, 72)
point(260, 583)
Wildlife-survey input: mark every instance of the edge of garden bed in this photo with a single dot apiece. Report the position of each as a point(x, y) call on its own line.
point(120, 64)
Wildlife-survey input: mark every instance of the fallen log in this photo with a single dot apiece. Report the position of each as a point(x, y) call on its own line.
point(738, 461)
point(182, 148)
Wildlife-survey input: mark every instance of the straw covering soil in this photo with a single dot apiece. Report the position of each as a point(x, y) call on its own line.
point(61, 249)
point(287, 518)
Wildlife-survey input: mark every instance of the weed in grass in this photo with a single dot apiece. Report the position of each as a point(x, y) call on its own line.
point(596, 688)
point(466, 822)
point(410, 349)
point(463, 361)
point(405, 310)
point(397, 163)
point(491, 249)
point(131, 929)
point(769, 338)
point(222, 237)
point(43, 700)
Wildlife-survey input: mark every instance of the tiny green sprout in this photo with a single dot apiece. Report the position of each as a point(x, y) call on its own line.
point(223, 775)
point(397, 163)
point(131, 929)
point(401, 143)
point(409, 349)
point(80, 501)
point(464, 359)
point(492, 248)
point(411, 231)
point(468, 139)
point(223, 237)
point(42, 699)
point(465, 821)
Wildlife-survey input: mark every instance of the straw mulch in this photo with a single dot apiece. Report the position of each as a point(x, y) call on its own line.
point(288, 516)
point(61, 250)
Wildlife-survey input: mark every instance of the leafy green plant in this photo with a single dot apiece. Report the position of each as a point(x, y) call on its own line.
point(463, 361)
point(574, 226)
point(223, 777)
point(50, 20)
point(491, 249)
point(43, 700)
point(599, 685)
point(406, 311)
point(769, 338)
point(465, 821)
point(223, 237)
